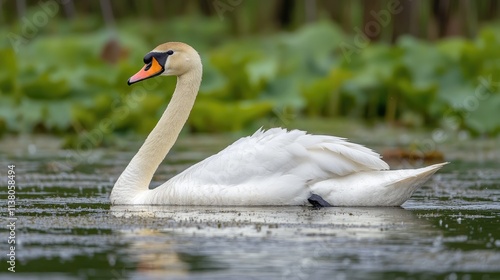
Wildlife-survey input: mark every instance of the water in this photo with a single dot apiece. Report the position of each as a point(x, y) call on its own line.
point(66, 228)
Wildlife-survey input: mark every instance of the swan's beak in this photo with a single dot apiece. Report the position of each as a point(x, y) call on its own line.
point(150, 70)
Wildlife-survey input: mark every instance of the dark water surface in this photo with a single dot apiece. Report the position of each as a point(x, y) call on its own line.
point(66, 228)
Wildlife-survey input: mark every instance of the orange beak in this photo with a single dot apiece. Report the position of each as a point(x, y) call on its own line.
point(150, 70)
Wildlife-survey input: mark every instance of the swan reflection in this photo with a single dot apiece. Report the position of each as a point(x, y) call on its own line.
point(184, 238)
point(282, 221)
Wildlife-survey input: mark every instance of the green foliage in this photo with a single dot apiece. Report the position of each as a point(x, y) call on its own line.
point(323, 95)
point(212, 116)
point(428, 81)
point(61, 84)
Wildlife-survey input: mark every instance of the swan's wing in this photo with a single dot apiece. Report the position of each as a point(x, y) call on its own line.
point(279, 167)
point(273, 167)
point(278, 152)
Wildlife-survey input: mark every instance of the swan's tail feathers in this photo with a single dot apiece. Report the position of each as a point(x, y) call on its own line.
point(374, 188)
point(418, 176)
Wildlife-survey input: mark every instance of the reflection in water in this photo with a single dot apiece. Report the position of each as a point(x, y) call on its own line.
point(226, 237)
point(158, 254)
point(154, 254)
point(285, 221)
point(339, 217)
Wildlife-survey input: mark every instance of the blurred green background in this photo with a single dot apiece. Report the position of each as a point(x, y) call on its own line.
point(417, 64)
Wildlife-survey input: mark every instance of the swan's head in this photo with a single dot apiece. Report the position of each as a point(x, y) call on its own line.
point(169, 59)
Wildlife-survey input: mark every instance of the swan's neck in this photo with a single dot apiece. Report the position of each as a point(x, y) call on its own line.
point(139, 172)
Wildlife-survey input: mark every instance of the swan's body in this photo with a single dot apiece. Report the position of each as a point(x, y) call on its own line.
point(273, 167)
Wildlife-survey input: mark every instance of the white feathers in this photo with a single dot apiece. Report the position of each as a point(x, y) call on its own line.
point(374, 188)
point(279, 167)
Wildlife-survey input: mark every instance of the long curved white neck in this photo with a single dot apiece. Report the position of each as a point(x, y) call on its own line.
point(139, 172)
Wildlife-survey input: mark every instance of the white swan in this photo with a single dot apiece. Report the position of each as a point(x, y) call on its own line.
point(273, 167)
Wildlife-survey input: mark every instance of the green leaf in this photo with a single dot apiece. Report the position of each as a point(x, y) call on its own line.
point(214, 116)
point(481, 115)
point(46, 88)
point(323, 95)
point(8, 71)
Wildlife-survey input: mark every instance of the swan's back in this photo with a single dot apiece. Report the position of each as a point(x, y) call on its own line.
point(281, 152)
point(273, 167)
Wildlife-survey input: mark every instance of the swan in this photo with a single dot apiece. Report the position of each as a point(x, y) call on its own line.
point(271, 167)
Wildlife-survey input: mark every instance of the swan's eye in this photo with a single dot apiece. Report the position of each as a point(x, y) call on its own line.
point(170, 52)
